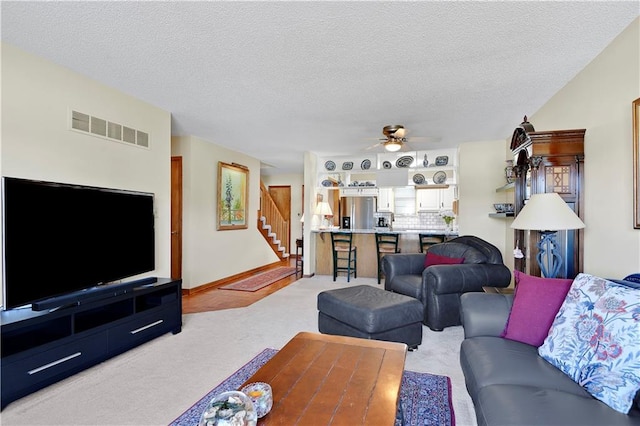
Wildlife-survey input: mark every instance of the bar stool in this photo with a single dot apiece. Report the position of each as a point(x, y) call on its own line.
point(427, 240)
point(385, 243)
point(344, 254)
point(299, 256)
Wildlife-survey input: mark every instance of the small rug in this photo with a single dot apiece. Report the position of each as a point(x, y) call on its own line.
point(261, 280)
point(425, 399)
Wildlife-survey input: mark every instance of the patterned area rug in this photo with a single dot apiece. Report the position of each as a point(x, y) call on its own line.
point(261, 280)
point(425, 399)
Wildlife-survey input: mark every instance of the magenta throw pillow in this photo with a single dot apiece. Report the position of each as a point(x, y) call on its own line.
point(436, 259)
point(535, 305)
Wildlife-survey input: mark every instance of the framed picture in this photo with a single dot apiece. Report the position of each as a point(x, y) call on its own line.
point(636, 163)
point(233, 196)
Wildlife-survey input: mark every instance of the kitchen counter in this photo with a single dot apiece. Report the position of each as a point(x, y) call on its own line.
point(364, 240)
point(395, 231)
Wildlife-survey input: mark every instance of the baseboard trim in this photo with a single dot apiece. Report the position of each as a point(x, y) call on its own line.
point(232, 278)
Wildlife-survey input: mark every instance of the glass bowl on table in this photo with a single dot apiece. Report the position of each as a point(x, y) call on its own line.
point(261, 396)
point(231, 408)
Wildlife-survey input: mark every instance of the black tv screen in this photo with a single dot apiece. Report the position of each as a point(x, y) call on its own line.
point(60, 238)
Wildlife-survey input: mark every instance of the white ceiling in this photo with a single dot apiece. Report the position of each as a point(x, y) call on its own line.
point(276, 79)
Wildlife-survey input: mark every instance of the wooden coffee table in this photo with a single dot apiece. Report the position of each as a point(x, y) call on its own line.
point(319, 379)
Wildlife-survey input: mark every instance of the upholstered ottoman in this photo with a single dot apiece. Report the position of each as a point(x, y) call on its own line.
point(370, 313)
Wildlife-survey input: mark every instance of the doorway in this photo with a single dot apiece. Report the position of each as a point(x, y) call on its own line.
point(176, 217)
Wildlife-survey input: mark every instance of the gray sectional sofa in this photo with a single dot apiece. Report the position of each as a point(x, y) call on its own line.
point(510, 384)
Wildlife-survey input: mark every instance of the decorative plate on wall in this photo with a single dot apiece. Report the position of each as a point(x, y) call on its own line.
point(330, 165)
point(386, 165)
point(442, 160)
point(418, 179)
point(439, 178)
point(347, 165)
point(365, 164)
point(327, 182)
point(404, 161)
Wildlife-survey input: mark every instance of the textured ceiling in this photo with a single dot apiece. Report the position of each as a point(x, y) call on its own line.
point(276, 79)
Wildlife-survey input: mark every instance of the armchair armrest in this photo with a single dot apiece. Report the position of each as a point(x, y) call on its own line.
point(462, 278)
point(484, 314)
point(401, 264)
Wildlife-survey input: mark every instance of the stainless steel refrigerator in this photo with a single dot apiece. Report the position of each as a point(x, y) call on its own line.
point(360, 210)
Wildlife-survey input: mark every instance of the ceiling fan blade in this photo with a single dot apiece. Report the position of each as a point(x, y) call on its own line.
point(375, 145)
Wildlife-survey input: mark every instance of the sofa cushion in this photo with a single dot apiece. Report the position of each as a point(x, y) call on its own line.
point(435, 259)
point(489, 361)
point(531, 405)
point(535, 304)
point(409, 285)
point(595, 340)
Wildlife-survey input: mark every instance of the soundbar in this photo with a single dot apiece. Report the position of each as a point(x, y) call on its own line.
point(90, 294)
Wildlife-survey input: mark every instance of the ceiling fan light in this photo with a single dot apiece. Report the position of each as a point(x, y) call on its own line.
point(392, 145)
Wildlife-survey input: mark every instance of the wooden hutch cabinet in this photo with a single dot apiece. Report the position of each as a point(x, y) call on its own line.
point(551, 161)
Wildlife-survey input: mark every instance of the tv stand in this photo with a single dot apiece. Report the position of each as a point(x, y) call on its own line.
point(101, 291)
point(39, 348)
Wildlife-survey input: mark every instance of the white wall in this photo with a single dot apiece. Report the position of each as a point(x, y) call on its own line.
point(481, 171)
point(599, 99)
point(207, 254)
point(310, 220)
point(37, 144)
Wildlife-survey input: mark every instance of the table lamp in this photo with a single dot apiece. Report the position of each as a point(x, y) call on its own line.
point(547, 213)
point(323, 209)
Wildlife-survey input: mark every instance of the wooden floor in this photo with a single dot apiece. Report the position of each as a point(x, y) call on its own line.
point(218, 299)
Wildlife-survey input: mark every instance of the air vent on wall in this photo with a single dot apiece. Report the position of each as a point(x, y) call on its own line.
point(107, 129)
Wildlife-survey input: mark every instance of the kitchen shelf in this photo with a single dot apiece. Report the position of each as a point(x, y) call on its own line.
point(502, 215)
point(506, 187)
point(434, 186)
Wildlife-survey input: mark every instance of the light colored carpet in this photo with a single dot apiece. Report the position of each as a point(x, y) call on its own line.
point(154, 383)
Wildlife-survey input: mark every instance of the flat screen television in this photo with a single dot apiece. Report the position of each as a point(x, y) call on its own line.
point(60, 238)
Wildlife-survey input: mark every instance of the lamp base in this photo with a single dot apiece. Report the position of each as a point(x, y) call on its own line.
point(549, 258)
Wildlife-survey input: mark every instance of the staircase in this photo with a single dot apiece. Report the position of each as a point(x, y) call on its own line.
point(272, 225)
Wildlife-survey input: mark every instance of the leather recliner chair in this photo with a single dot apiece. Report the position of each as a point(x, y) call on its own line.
point(439, 287)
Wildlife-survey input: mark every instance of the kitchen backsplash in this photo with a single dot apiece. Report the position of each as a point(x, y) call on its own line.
point(426, 220)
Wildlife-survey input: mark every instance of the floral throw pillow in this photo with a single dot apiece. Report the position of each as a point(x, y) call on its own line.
point(595, 340)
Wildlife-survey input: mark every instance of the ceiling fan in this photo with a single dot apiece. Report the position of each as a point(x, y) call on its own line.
point(395, 138)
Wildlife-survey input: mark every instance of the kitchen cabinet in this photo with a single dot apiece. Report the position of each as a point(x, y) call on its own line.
point(359, 192)
point(429, 200)
point(385, 200)
point(446, 197)
point(404, 200)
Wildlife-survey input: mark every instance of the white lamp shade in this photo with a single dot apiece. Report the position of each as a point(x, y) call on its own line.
point(323, 208)
point(547, 212)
